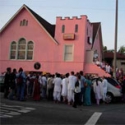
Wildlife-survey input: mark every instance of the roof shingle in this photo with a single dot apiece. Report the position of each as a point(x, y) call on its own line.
point(49, 27)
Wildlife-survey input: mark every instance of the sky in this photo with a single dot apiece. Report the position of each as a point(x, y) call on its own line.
point(96, 10)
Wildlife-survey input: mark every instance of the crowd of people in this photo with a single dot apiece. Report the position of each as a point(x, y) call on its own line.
point(109, 69)
point(70, 88)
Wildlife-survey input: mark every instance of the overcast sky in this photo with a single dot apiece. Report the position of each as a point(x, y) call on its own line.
point(97, 11)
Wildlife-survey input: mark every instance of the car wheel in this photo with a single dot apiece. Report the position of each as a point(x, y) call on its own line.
point(109, 98)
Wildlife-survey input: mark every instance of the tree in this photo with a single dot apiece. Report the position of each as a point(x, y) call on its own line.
point(104, 48)
point(122, 50)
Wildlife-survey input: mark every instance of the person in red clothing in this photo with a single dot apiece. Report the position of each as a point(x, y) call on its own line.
point(36, 89)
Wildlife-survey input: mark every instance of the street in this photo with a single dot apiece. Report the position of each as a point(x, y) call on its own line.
point(47, 112)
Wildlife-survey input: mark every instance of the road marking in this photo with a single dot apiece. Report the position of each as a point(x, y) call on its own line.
point(13, 113)
point(94, 118)
point(8, 111)
point(16, 110)
point(6, 116)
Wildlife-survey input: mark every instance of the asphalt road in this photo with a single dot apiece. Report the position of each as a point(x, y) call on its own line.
point(47, 112)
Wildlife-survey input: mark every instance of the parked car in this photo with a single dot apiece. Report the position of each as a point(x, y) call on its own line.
point(114, 89)
point(2, 83)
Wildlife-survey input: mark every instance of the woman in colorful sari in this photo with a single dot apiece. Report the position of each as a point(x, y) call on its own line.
point(36, 89)
point(88, 86)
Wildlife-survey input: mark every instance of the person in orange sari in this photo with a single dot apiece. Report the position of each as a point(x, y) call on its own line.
point(36, 89)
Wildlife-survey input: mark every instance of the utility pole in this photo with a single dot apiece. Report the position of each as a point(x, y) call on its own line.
point(115, 44)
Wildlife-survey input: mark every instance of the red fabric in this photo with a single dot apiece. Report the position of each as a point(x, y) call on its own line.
point(36, 93)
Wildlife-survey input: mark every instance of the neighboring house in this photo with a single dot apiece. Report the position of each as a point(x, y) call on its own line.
point(120, 59)
point(69, 45)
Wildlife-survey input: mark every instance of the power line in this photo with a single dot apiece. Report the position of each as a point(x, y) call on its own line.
point(61, 7)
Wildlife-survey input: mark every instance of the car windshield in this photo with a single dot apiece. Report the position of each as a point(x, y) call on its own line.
point(112, 81)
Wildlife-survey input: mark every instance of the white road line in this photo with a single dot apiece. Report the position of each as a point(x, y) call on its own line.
point(6, 116)
point(2, 110)
point(94, 118)
point(8, 111)
point(17, 110)
point(18, 107)
point(13, 113)
point(22, 110)
point(30, 108)
point(12, 106)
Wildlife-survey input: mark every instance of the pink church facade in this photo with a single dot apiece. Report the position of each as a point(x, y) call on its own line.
point(69, 45)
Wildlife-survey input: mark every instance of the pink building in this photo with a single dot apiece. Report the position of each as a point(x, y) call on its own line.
point(69, 45)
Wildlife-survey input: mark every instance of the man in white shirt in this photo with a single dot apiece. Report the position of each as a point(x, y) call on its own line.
point(71, 87)
point(57, 88)
point(104, 87)
point(64, 84)
point(108, 68)
point(44, 86)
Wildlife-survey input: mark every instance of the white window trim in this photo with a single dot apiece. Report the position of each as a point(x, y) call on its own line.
point(26, 50)
point(11, 49)
point(32, 50)
point(72, 53)
point(18, 49)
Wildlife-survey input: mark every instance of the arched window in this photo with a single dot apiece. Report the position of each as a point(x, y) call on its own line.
point(63, 28)
point(21, 23)
point(24, 22)
point(30, 50)
point(13, 48)
point(27, 23)
point(21, 49)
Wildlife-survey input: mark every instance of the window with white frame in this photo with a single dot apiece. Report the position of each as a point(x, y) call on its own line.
point(13, 49)
point(21, 49)
point(68, 53)
point(29, 50)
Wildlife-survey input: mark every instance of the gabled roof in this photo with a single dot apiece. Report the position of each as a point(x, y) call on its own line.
point(49, 28)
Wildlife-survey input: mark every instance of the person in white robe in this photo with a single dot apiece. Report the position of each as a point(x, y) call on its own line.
point(104, 87)
point(64, 85)
point(71, 87)
point(108, 68)
point(97, 87)
point(57, 88)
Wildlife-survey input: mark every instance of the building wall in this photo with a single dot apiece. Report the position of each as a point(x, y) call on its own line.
point(88, 43)
point(0, 53)
point(49, 54)
point(80, 41)
point(44, 47)
point(97, 46)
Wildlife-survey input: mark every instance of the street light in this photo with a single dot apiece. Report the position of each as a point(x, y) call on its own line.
point(115, 44)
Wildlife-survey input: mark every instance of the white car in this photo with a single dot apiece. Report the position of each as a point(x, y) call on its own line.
point(113, 89)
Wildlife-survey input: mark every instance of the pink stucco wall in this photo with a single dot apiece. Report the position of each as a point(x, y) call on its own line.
point(98, 46)
point(49, 54)
point(0, 54)
point(79, 42)
point(43, 45)
point(88, 46)
point(46, 51)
